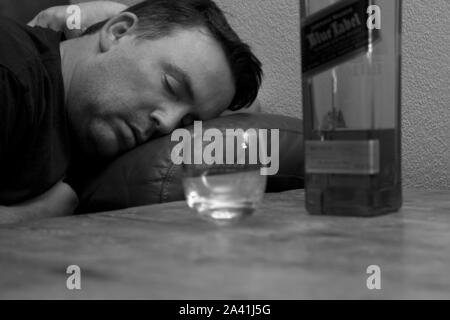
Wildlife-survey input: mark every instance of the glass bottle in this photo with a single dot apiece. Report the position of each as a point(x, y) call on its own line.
point(351, 60)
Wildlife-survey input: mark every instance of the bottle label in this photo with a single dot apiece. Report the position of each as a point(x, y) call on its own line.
point(342, 157)
point(336, 34)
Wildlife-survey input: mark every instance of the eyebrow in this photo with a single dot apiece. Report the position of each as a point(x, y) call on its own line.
point(181, 76)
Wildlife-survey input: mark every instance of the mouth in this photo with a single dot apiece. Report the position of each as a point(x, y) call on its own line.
point(130, 136)
point(140, 137)
point(138, 140)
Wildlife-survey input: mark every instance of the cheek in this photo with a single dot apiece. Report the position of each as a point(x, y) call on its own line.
point(119, 88)
point(100, 139)
point(124, 93)
point(108, 95)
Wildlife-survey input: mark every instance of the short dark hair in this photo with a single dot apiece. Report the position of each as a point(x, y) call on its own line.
point(158, 18)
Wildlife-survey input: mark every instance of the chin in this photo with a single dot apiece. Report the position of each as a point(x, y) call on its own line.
point(102, 142)
point(105, 149)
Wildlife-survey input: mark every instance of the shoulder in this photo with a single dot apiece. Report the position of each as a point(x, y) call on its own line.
point(22, 46)
point(29, 62)
point(15, 46)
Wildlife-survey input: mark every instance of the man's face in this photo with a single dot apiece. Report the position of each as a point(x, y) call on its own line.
point(133, 90)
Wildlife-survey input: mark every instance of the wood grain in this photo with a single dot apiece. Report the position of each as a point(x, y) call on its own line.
point(167, 252)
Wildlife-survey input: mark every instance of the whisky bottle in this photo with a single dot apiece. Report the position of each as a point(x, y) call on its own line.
point(351, 60)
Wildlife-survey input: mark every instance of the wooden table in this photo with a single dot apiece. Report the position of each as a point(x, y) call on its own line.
point(166, 252)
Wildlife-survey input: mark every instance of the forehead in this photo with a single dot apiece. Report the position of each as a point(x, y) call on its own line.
point(203, 60)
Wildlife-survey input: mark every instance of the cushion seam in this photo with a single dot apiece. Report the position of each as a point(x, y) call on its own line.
point(166, 180)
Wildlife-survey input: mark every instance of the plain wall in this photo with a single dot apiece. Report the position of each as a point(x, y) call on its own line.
point(272, 27)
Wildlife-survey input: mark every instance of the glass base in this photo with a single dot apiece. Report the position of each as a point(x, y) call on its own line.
point(226, 216)
point(353, 201)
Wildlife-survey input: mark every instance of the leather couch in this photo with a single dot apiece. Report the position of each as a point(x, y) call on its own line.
point(147, 175)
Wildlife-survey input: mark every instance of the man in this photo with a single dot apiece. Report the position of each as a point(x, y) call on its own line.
point(156, 66)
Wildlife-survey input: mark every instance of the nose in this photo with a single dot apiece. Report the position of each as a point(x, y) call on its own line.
point(170, 118)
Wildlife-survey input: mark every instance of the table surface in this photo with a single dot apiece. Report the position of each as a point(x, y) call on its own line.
point(167, 252)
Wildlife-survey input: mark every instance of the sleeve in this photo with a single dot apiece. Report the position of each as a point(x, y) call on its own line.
point(11, 134)
point(10, 97)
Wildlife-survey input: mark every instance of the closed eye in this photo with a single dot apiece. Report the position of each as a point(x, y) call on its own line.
point(170, 87)
point(177, 81)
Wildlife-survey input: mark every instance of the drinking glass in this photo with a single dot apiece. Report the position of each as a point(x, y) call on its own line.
point(223, 180)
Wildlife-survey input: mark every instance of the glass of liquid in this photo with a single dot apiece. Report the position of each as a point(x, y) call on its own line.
point(223, 180)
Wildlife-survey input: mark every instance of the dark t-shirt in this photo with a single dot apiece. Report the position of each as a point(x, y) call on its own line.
point(34, 136)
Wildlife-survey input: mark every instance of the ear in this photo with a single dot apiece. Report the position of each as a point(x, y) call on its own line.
point(117, 27)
